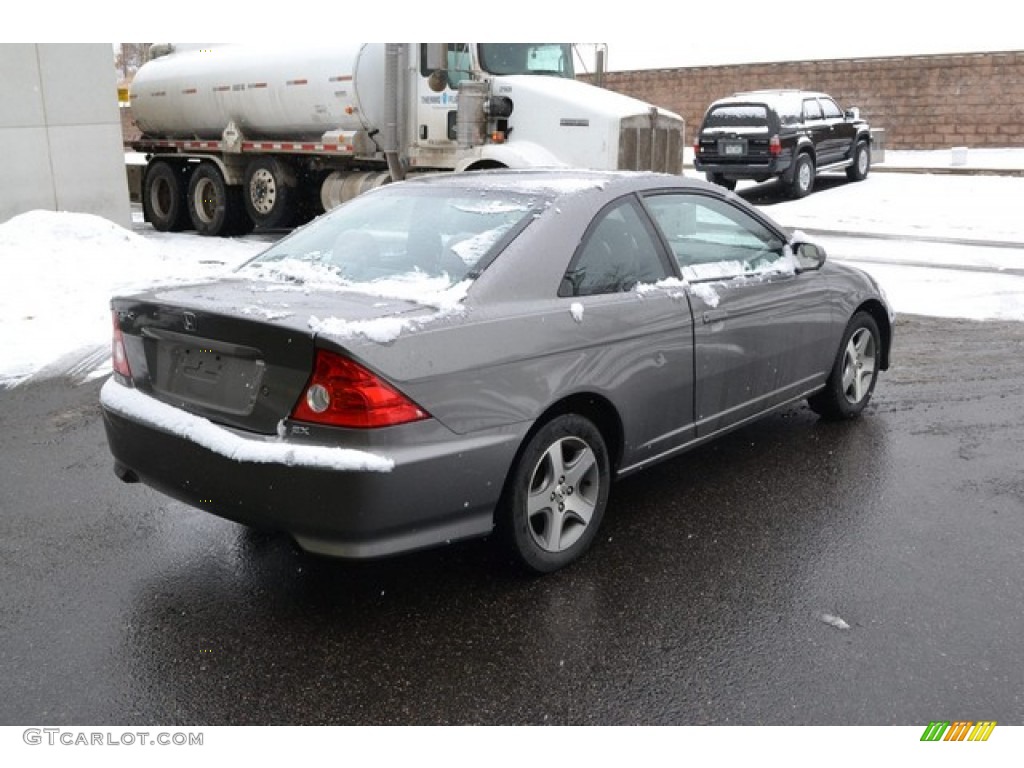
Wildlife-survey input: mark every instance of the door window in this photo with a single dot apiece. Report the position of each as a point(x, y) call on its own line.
point(812, 110)
point(712, 239)
point(832, 110)
point(458, 60)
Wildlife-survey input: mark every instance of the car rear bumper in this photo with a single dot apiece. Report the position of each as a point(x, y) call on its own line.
point(364, 505)
point(778, 166)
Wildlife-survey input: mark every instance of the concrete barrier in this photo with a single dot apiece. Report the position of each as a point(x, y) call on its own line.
point(877, 145)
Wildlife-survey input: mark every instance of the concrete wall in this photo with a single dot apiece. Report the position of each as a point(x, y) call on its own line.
point(60, 131)
point(922, 102)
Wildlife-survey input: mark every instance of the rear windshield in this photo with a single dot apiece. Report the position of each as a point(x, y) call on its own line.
point(734, 115)
point(401, 232)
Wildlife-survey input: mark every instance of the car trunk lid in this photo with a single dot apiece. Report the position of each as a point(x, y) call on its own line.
point(236, 352)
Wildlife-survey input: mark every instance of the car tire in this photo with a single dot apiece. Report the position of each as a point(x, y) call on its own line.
point(270, 193)
point(854, 372)
point(556, 495)
point(216, 209)
point(861, 162)
point(165, 197)
point(803, 176)
point(720, 180)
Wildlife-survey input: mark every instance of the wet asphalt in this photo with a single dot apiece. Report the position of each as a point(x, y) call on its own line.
point(795, 572)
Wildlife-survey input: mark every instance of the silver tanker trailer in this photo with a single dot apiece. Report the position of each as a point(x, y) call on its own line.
point(238, 136)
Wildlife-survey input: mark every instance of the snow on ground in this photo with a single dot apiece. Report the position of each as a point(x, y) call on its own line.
point(985, 208)
point(60, 269)
point(989, 158)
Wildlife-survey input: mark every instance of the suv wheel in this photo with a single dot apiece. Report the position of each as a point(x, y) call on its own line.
point(720, 180)
point(861, 162)
point(803, 176)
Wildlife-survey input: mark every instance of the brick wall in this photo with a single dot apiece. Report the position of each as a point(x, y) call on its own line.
point(922, 102)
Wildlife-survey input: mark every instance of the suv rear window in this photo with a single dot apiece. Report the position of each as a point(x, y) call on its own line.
point(737, 114)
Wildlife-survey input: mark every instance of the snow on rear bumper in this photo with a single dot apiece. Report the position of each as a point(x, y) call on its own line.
point(333, 501)
point(145, 410)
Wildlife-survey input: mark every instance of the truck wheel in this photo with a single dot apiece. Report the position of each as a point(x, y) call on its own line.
point(270, 193)
point(215, 208)
point(861, 162)
point(165, 197)
point(803, 176)
point(308, 204)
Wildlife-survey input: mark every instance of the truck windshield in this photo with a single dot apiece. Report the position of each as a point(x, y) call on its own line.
point(527, 59)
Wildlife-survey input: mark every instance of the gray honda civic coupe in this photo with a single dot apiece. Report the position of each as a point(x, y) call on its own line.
point(462, 355)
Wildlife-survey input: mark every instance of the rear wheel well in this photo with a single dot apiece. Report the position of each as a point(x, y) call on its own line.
point(594, 408)
point(485, 165)
point(804, 149)
point(598, 410)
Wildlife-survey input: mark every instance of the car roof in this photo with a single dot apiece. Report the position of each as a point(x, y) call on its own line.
point(788, 96)
point(780, 92)
point(550, 182)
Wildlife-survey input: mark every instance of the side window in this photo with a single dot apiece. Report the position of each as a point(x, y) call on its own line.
point(790, 110)
point(712, 239)
point(832, 109)
point(812, 109)
point(617, 253)
point(458, 62)
point(790, 115)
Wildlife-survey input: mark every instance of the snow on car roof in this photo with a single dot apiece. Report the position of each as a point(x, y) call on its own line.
point(558, 181)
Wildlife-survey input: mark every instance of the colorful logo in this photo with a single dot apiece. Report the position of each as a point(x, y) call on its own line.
point(960, 730)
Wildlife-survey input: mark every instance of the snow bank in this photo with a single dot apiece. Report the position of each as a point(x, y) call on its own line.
point(60, 271)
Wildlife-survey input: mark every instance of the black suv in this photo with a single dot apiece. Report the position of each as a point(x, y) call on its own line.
point(789, 134)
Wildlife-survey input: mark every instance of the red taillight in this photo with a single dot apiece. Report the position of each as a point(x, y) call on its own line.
point(118, 355)
point(342, 393)
point(774, 146)
point(696, 147)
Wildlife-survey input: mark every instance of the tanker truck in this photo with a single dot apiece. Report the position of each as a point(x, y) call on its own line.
point(240, 136)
